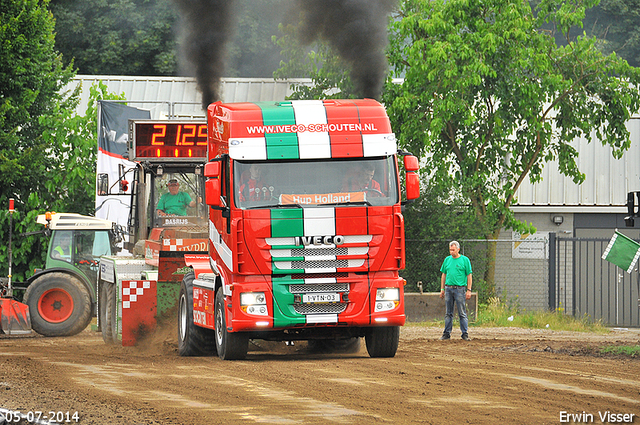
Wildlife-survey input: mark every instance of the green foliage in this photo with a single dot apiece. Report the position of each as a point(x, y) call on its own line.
point(66, 172)
point(31, 81)
point(329, 73)
point(431, 222)
point(506, 312)
point(141, 37)
point(488, 99)
point(251, 52)
point(616, 24)
point(626, 350)
point(128, 37)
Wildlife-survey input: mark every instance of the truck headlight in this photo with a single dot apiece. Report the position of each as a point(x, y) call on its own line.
point(387, 299)
point(254, 303)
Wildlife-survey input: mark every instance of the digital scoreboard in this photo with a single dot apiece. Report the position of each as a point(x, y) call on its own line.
point(167, 140)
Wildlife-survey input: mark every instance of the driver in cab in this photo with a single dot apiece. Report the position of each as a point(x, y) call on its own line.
point(253, 187)
point(174, 202)
point(362, 180)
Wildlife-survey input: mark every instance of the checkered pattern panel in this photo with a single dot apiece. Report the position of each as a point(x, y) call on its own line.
point(131, 290)
point(173, 244)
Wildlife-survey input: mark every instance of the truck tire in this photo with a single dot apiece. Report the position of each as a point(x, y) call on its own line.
point(59, 304)
point(382, 341)
point(108, 312)
point(230, 345)
point(193, 340)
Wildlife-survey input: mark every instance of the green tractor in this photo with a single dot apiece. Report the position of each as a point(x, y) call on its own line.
point(62, 296)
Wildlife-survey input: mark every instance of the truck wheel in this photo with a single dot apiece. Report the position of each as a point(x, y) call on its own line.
point(108, 311)
point(382, 341)
point(193, 340)
point(59, 305)
point(230, 345)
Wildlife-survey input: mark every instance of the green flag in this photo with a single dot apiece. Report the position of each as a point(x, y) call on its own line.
point(622, 251)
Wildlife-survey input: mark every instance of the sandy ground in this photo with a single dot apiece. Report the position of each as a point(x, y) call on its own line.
point(502, 376)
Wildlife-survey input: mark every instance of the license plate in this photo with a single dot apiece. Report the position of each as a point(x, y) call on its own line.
point(331, 297)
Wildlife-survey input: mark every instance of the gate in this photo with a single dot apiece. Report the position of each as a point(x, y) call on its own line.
point(582, 283)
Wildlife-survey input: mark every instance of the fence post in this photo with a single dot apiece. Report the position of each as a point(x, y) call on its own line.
point(552, 271)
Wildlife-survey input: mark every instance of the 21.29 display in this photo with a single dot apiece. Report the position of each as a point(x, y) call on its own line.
point(161, 139)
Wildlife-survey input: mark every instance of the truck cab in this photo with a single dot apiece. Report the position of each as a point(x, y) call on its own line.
point(306, 233)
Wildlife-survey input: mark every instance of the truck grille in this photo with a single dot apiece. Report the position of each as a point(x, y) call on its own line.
point(312, 288)
point(289, 258)
point(301, 252)
point(336, 308)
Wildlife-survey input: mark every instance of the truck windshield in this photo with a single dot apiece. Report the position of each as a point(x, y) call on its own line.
point(368, 181)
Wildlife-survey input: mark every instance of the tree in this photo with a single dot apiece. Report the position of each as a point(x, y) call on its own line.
point(140, 37)
point(329, 74)
point(488, 98)
point(128, 37)
point(31, 80)
point(47, 153)
point(431, 222)
point(251, 52)
point(616, 24)
point(67, 182)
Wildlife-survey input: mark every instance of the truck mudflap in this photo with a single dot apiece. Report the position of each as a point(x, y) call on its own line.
point(14, 317)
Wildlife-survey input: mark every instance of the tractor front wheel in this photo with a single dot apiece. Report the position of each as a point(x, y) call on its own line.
point(108, 308)
point(59, 305)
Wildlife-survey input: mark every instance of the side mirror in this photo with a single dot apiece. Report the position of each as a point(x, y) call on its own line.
point(411, 163)
point(212, 169)
point(212, 191)
point(413, 185)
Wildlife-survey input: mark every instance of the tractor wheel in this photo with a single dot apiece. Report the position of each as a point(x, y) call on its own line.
point(230, 345)
point(193, 340)
point(382, 341)
point(59, 305)
point(108, 311)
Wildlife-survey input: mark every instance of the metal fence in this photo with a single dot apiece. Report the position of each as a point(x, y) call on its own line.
point(584, 284)
point(521, 268)
point(548, 273)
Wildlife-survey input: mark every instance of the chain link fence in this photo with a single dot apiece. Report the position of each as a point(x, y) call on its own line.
point(520, 267)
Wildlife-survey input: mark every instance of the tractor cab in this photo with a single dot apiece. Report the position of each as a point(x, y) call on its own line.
point(77, 243)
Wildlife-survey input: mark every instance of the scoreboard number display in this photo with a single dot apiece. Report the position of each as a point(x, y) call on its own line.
point(162, 140)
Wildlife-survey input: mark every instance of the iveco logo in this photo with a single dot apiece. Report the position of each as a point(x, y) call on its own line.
point(319, 240)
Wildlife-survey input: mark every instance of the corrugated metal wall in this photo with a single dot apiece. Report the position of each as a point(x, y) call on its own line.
point(178, 96)
point(607, 179)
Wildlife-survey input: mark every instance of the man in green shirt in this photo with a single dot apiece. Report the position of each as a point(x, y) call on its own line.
point(455, 287)
point(174, 202)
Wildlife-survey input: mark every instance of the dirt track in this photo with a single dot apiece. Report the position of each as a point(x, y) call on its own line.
point(506, 376)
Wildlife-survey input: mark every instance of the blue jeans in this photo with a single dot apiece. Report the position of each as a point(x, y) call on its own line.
point(456, 294)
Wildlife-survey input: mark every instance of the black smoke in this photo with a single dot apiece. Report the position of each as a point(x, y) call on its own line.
point(357, 29)
point(207, 27)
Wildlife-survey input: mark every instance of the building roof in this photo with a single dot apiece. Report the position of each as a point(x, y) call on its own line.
point(178, 97)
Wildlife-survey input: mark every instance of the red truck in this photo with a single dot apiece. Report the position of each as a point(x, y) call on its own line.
point(306, 232)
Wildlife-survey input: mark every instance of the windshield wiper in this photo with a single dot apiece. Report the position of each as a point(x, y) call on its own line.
point(367, 203)
point(286, 206)
point(257, 207)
